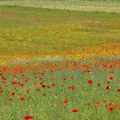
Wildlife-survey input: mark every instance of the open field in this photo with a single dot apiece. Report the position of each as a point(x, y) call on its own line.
point(64, 91)
point(60, 60)
point(30, 32)
point(82, 5)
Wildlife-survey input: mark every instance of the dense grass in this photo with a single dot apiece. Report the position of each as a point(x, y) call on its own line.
point(67, 89)
point(93, 101)
point(37, 31)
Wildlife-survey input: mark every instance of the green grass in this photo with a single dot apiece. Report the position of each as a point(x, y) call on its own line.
point(82, 5)
point(39, 31)
point(50, 107)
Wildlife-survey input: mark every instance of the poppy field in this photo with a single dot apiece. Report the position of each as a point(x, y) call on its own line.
point(63, 91)
point(59, 61)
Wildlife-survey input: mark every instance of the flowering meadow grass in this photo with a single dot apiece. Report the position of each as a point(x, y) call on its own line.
point(59, 64)
point(28, 32)
point(60, 91)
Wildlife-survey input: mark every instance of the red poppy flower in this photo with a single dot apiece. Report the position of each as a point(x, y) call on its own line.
point(27, 91)
point(41, 83)
point(71, 87)
point(110, 104)
point(38, 89)
point(1, 91)
point(27, 80)
point(98, 84)
point(14, 83)
point(75, 110)
point(47, 86)
point(71, 77)
point(115, 105)
point(105, 100)
point(55, 94)
point(43, 86)
point(111, 78)
point(41, 78)
point(53, 84)
point(4, 78)
point(97, 104)
point(13, 93)
point(22, 99)
point(65, 101)
point(90, 81)
point(20, 84)
point(28, 117)
point(3, 82)
point(18, 69)
point(118, 90)
point(108, 82)
point(108, 87)
point(42, 73)
point(64, 79)
point(111, 109)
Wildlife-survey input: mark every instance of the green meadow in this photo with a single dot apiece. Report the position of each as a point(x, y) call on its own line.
point(59, 59)
point(29, 31)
